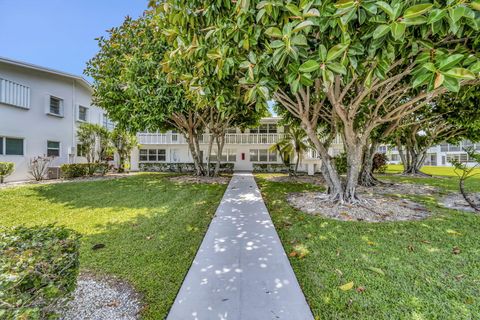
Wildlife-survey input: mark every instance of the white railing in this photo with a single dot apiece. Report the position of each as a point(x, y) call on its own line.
point(232, 138)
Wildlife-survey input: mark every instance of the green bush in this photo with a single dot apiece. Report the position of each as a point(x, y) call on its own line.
point(74, 170)
point(6, 169)
point(271, 168)
point(181, 167)
point(38, 267)
point(340, 162)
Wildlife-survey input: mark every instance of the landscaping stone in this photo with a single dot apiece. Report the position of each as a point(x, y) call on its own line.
point(101, 298)
point(371, 208)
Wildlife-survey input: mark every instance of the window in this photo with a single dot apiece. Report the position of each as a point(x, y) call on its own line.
point(228, 155)
point(265, 128)
point(231, 130)
point(55, 106)
point(13, 146)
point(107, 123)
point(81, 150)
point(153, 155)
point(231, 155)
point(1, 145)
point(53, 148)
point(82, 113)
point(143, 155)
point(262, 155)
point(394, 157)
point(14, 94)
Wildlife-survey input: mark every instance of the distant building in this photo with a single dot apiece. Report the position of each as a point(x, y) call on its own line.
point(40, 110)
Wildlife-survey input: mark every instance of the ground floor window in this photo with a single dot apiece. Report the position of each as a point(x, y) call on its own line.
point(53, 148)
point(262, 155)
point(11, 146)
point(153, 155)
point(461, 157)
point(394, 157)
point(81, 150)
point(228, 155)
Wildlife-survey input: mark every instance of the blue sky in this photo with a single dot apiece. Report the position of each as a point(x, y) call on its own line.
point(59, 34)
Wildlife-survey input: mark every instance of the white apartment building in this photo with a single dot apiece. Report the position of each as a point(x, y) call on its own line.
point(439, 155)
point(40, 110)
point(243, 149)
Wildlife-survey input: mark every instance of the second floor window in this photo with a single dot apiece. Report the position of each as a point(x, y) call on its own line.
point(55, 106)
point(82, 113)
point(53, 148)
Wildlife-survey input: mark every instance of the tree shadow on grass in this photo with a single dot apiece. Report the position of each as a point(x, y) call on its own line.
point(141, 192)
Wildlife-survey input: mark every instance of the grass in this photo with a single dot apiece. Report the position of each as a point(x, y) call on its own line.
point(433, 170)
point(400, 270)
point(151, 227)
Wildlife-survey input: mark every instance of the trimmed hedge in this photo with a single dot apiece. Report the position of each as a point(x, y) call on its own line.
point(6, 169)
point(271, 168)
point(38, 267)
point(180, 167)
point(75, 170)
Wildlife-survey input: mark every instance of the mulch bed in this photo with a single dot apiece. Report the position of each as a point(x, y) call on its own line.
point(371, 208)
point(200, 179)
point(101, 297)
point(457, 202)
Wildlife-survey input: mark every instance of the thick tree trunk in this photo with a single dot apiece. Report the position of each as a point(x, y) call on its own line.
point(354, 161)
point(121, 164)
point(335, 189)
point(367, 179)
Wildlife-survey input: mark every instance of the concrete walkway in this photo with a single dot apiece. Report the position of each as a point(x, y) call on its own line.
point(241, 270)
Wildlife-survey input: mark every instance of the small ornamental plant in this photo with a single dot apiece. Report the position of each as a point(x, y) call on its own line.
point(6, 169)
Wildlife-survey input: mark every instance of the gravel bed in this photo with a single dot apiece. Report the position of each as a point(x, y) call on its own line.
point(372, 208)
point(101, 298)
point(400, 188)
point(457, 202)
point(201, 179)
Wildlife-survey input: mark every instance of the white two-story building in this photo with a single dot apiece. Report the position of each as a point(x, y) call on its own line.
point(40, 110)
point(242, 149)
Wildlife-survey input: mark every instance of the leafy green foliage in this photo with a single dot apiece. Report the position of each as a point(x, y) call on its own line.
point(123, 142)
point(74, 170)
point(38, 266)
point(341, 163)
point(6, 169)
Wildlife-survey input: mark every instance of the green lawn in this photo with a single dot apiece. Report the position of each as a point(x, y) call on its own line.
point(408, 270)
point(433, 170)
point(151, 227)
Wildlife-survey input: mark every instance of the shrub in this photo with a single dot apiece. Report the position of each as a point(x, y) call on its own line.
point(6, 169)
point(38, 167)
point(180, 167)
point(38, 266)
point(379, 162)
point(74, 170)
point(340, 162)
point(271, 168)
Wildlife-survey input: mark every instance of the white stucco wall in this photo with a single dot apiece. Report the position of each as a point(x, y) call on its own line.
point(34, 125)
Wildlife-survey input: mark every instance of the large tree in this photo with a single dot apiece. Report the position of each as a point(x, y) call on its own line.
point(361, 64)
point(448, 118)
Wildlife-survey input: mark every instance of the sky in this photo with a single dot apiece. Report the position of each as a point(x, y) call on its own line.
point(60, 34)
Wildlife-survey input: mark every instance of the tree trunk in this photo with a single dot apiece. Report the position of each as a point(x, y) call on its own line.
point(121, 164)
point(415, 163)
point(194, 150)
point(297, 161)
point(367, 178)
point(354, 161)
point(220, 145)
point(209, 154)
point(335, 189)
